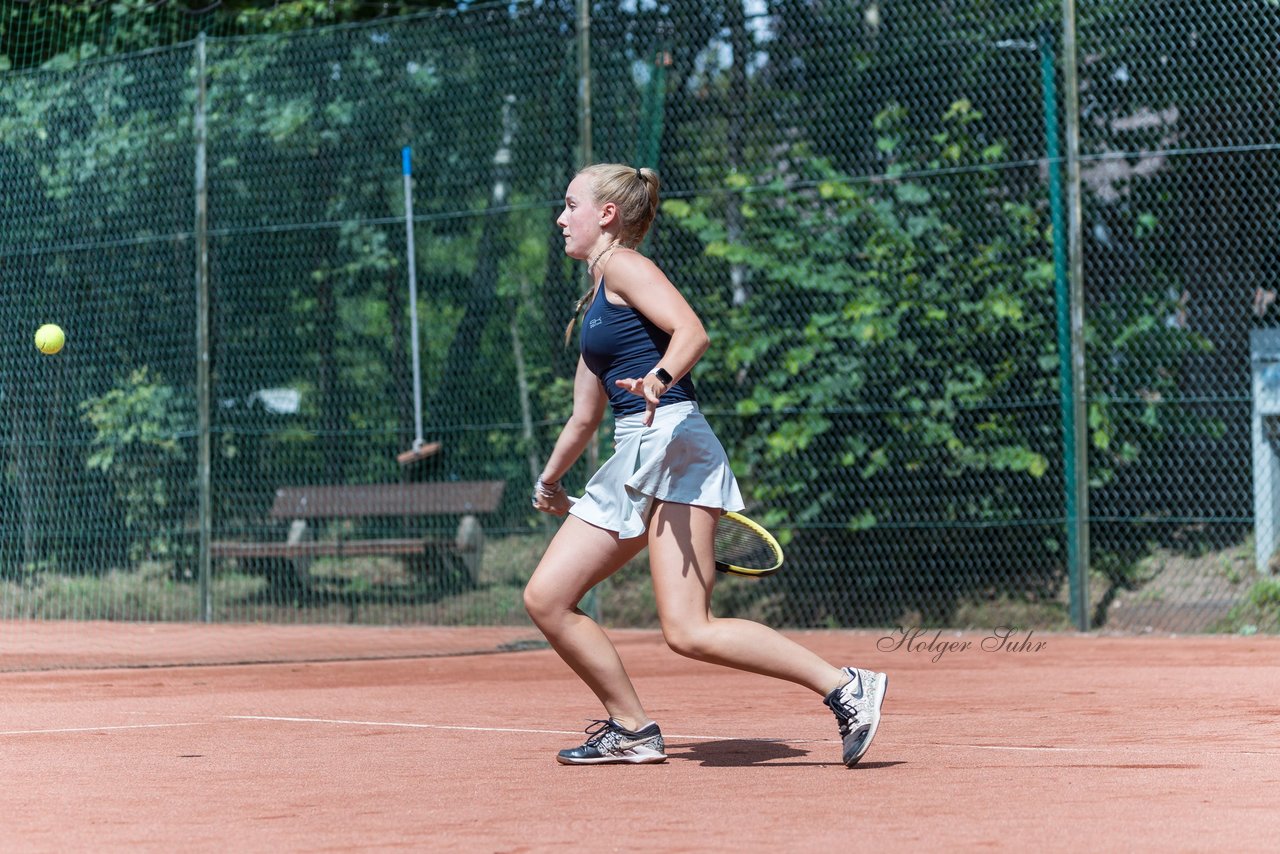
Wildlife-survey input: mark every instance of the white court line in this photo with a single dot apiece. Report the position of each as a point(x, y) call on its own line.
point(393, 724)
point(1033, 748)
point(405, 725)
point(95, 728)
point(503, 729)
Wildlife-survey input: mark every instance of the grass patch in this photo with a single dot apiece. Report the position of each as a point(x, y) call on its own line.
point(146, 594)
point(1217, 591)
point(1259, 612)
point(1013, 612)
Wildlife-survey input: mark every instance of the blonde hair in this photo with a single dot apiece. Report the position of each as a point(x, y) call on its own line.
point(634, 191)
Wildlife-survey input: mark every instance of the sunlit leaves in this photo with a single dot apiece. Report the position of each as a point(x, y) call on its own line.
point(869, 342)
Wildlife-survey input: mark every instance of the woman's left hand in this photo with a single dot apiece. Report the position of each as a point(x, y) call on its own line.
point(650, 388)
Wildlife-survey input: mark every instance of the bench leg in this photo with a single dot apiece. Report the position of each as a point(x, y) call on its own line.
point(289, 579)
point(470, 545)
point(441, 571)
point(295, 575)
point(286, 581)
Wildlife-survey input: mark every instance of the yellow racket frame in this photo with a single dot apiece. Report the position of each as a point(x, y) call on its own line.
point(754, 527)
point(764, 535)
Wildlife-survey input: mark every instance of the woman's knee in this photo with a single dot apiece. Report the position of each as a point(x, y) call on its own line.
point(538, 602)
point(537, 606)
point(692, 641)
point(544, 602)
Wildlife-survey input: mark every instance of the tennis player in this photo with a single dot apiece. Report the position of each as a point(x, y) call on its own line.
point(665, 487)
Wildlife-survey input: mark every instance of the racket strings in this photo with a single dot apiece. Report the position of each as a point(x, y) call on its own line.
point(740, 545)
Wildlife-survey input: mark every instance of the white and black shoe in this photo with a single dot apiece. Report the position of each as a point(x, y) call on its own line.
point(610, 742)
point(857, 708)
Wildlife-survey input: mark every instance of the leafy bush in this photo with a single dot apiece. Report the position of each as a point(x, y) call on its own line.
point(891, 350)
point(1260, 610)
point(136, 444)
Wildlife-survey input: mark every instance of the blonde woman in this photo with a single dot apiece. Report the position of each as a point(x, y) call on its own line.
point(664, 488)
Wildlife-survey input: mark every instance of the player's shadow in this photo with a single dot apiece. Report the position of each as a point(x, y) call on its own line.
point(739, 752)
point(746, 752)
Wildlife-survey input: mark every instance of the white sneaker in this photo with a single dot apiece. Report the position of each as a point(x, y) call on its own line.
point(857, 708)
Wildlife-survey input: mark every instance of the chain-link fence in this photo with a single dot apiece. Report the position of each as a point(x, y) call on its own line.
point(878, 208)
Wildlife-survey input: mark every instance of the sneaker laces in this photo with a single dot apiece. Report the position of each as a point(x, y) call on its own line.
point(598, 730)
point(845, 712)
point(845, 715)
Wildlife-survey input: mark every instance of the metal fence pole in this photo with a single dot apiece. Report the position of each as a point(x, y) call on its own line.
point(584, 82)
point(1062, 302)
point(590, 603)
point(203, 463)
point(1078, 484)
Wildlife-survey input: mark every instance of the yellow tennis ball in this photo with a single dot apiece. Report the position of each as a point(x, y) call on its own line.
point(49, 339)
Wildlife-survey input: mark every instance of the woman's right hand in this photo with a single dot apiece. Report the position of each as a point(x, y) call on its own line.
point(550, 498)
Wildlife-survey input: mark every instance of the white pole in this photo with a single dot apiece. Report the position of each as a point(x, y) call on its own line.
point(413, 300)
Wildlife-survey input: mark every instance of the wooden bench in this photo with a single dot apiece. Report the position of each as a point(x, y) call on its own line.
point(299, 505)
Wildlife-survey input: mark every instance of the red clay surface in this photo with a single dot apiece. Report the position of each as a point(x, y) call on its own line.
point(70, 644)
point(1086, 743)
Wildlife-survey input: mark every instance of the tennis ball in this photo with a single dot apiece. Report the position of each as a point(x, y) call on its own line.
point(49, 339)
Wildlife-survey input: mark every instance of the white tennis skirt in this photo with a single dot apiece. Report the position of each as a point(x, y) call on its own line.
point(677, 459)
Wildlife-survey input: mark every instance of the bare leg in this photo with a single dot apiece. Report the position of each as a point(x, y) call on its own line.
point(682, 562)
point(579, 557)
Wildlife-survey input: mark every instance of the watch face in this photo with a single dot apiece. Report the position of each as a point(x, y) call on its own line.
point(663, 376)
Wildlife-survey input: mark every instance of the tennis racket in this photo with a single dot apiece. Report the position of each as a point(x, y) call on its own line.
point(743, 546)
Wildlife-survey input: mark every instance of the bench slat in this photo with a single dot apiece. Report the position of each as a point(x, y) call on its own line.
point(336, 548)
point(394, 499)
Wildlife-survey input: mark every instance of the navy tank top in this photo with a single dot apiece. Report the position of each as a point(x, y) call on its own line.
point(619, 343)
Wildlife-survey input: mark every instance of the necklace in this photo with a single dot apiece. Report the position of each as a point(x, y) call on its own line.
point(591, 265)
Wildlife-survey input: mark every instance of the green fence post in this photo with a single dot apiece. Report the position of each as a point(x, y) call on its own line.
point(649, 137)
point(1071, 381)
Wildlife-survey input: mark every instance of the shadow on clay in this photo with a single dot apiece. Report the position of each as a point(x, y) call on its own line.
point(746, 752)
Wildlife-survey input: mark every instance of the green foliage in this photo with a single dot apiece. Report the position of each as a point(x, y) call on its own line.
point(886, 338)
point(1266, 594)
point(1260, 610)
point(887, 324)
point(900, 333)
point(291, 15)
point(135, 444)
point(60, 34)
point(1128, 413)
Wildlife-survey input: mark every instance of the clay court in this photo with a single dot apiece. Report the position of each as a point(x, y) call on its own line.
point(1055, 742)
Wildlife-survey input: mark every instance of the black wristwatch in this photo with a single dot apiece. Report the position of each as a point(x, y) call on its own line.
point(663, 376)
